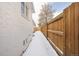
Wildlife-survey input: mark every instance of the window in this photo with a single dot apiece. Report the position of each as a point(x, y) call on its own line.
point(24, 9)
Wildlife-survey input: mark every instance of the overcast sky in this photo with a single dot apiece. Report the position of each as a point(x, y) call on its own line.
point(57, 6)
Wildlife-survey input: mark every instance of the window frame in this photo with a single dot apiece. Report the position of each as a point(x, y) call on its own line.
point(24, 10)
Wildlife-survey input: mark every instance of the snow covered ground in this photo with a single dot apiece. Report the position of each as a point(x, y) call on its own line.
point(39, 46)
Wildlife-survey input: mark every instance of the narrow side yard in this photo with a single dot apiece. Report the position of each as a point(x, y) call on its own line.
point(39, 46)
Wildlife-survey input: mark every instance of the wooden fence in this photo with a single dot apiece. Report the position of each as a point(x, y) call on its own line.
point(63, 31)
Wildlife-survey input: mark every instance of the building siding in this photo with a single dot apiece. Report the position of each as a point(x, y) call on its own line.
point(14, 28)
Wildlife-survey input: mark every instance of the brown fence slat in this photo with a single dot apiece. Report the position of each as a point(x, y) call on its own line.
point(77, 29)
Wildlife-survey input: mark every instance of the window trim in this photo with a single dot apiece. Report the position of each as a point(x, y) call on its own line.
point(24, 10)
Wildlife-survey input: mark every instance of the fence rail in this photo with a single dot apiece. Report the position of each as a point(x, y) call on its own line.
point(63, 31)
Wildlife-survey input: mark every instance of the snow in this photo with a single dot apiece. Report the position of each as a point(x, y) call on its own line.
point(40, 46)
point(57, 13)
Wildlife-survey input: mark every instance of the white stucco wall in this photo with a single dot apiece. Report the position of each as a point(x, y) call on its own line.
point(13, 28)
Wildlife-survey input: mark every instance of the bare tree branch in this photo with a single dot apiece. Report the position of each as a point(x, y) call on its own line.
point(45, 14)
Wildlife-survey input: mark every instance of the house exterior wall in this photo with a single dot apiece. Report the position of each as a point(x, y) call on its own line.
point(14, 28)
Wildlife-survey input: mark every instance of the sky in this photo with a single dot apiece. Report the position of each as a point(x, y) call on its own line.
point(37, 7)
point(57, 6)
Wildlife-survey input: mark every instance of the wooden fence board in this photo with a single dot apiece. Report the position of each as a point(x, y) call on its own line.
point(77, 29)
